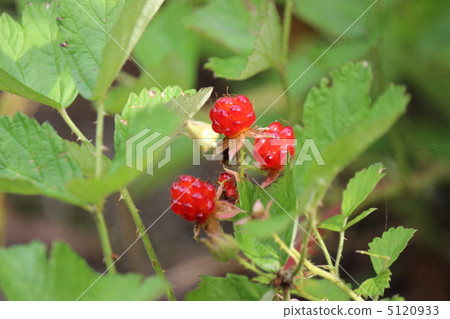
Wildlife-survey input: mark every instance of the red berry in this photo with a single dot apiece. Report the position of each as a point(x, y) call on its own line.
point(193, 199)
point(232, 115)
point(272, 153)
point(228, 183)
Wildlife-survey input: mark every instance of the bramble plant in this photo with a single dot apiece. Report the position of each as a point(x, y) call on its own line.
point(61, 49)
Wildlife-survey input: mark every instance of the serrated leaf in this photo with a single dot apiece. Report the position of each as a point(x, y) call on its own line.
point(323, 289)
point(84, 155)
point(266, 52)
point(32, 62)
point(391, 244)
point(231, 288)
point(85, 26)
point(124, 37)
point(374, 287)
point(360, 217)
point(333, 223)
point(359, 187)
point(35, 160)
point(253, 236)
point(151, 112)
point(27, 274)
point(342, 122)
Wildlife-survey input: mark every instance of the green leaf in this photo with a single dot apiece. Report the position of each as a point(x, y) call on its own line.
point(27, 274)
point(393, 298)
point(360, 217)
point(342, 122)
point(167, 49)
point(86, 26)
point(35, 160)
point(266, 52)
point(150, 112)
point(256, 237)
point(374, 287)
point(391, 244)
point(32, 62)
point(231, 288)
point(232, 23)
point(333, 18)
point(333, 223)
point(125, 34)
point(22, 4)
point(323, 289)
point(359, 187)
point(84, 155)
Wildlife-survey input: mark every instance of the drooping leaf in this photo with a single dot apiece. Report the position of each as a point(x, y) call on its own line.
point(124, 37)
point(323, 289)
point(359, 187)
point(32, 61)
point(342, 122)
point(86, 27)
point(374, 287)
point(391, 244)
point(27, 274)
point(146, 127)
point(231, 288)
point(35, 160)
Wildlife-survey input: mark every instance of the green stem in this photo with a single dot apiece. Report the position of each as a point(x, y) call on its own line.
point(300, 264)
point(104, 239)
point(146, 241)
point(250, 266)
point(287, 19)
point(72, 125)
point(340, 249)
point(320, 239)
point(330, 277)
point(99, 140)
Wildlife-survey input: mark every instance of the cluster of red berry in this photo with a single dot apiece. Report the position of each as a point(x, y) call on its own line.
point(195, 200)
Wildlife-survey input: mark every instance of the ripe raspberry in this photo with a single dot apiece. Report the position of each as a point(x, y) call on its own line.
point(228, 183)
point(272, 152)
point(232, 115)
point(193, 199)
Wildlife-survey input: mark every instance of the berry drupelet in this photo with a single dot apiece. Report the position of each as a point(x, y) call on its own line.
point(232, 116)
point(230, 192)
point(193, 199)
point(272, 155)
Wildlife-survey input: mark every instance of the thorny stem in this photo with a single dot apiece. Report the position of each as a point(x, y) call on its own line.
point(301, 262)
point(146, 241)
point(104, 239)
point(72, 125)
point(101, 225)
point(99, 139)
point(339, 251)
point(318, 271)
point(320, 239)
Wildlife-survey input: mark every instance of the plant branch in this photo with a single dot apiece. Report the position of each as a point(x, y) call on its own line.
point(104, 239)
point(340, 249)
point(146, 241)
point(72, 125)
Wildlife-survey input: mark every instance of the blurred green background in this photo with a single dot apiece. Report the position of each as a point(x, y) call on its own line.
point(407, 42)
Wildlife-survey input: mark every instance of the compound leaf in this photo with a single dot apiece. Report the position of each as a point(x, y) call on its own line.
point(27, 274)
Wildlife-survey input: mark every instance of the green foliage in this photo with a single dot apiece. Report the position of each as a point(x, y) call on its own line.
point(343, 122)
point(35, 160)
point(323, 289)
point(391, 244)
point(359, 187)
point(257, 43)
point(162, 112)
point(27, 274)
point(32, 63)
point(85, 26)
point(124, 37)
point(255, 237)
point(231, 288)
point(374, 287)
